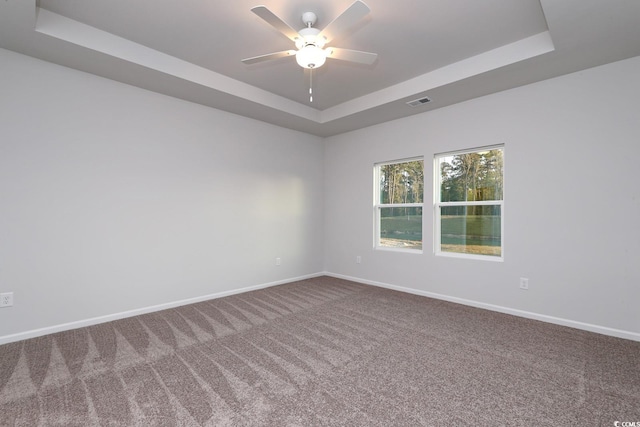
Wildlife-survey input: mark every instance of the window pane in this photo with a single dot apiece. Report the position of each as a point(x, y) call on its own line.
point(471, 176)
point(471, 230)
point(401, 228)
point(402, 182)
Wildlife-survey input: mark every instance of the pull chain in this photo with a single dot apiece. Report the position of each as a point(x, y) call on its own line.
point(310, 74)
point(310, 84)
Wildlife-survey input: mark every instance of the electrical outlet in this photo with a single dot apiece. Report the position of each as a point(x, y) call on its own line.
point(6, 299)
point(278, 261)
point(524, 283)
point(358, 259)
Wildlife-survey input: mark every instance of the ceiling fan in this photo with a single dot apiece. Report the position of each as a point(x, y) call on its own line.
point(310, 41)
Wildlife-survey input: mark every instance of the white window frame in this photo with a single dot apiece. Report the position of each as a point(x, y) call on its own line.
point(437, 205)
point(377, 206)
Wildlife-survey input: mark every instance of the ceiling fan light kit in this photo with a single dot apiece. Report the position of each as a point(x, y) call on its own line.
point(311, 57)
point(310, 41)
point(310, 53)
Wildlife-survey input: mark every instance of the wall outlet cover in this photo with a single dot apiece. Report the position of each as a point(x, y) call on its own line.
point(6, 299)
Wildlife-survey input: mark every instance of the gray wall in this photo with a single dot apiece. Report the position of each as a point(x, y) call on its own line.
point(115, 199)
point(572, 203)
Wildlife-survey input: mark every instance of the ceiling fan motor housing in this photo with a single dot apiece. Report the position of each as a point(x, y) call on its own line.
point(309, 36)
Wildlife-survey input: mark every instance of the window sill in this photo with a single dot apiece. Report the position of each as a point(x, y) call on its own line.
point(402, 250)
point(470, 256)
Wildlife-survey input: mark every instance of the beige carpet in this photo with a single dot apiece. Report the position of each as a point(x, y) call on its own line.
point(321, 352)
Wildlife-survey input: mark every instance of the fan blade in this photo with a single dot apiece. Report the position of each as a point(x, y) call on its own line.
point(273, 20)
point(351, 55)
point(269, 56)
point(349, 17)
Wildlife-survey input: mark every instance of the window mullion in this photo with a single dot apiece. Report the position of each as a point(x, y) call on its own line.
point(474, 203)
point(400, 205)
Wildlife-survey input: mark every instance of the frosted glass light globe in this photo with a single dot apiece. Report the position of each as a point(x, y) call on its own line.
point(311, 56)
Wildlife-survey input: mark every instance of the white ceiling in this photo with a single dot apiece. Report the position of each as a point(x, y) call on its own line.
point(448, 50)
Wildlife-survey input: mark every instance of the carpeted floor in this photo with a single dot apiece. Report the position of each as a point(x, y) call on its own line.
point(321, 352)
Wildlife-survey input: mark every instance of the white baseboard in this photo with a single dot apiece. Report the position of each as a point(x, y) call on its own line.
point(108, 318)
point(633, 336)
point(520, 313)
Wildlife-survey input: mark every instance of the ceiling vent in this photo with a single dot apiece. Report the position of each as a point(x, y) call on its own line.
point(417, 102)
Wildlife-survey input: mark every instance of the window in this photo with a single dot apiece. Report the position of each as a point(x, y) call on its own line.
point(469, 203)
point(398, 204)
